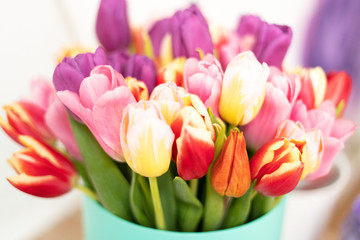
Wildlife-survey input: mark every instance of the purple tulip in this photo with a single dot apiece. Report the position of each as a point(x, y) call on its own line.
point(157, 34)
point(142, 68)
point(271, 41)
point(69, 74)
point(112, 27)
point(332, 40)
point(190, 31)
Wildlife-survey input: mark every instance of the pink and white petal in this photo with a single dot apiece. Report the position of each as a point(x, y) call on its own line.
point(115, 79)
point(343, 129)
point(57, 120)
point(42, 93)
point(332, 147)
point(92, 88)
point(107, 115)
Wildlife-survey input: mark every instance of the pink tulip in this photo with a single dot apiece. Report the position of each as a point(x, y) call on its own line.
point(281, 93)
point(313, 148)
point(334, 131)
point(169, 96)
point(100, 103)
point(204, 79)
point(194, 150)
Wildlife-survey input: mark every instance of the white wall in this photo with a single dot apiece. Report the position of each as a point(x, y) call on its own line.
point(32, 33)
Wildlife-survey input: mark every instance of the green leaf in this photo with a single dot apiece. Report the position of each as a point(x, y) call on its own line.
point(239, 210)
point(138, 203)
point(168, 200)
point(83, 173)
point(109, 183)
point(189, 208)
point(213, 207)
point(261, 205)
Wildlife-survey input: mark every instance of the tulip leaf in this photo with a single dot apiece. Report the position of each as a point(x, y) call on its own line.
point(143, 213)
point(110, 185)
point(220, 130)
point(239, 210)
point(213, 207)
point(80, 168)
point(189, 208)
point(168, 200)
point(261, 205)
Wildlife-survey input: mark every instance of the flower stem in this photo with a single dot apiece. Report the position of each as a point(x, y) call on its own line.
point(194, 184)
point(87, 191)
point(159, 215)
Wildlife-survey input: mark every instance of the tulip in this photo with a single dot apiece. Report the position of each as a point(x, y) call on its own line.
point(142, 68)
point(169, 96)
point(146, 139)
point(314, 143)
point(43, 172)
point(72, 52)
point(277, 166)
point(137, 88)
point(189, 32)
point(204, 79)
point(69, 74)
point(25, 118)
point(157, 34)
point(243, 89)
point(100, 103)
point(281, 93)
point(338, 90)
point(230, 174)
point(313, 86)
point(271, 41)
point(194, 149)
point(334, 131)
point(112, 26)
point(172, 72)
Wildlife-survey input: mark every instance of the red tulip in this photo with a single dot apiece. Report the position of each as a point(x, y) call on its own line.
point(194, 150)
point(230, 174)
point(43, 172)
point(277, 166)
point(338, 90)
point(25, 118)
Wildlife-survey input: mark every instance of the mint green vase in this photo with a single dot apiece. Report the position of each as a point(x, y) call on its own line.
point(101, 224)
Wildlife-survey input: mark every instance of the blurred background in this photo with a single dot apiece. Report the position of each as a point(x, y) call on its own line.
point(33, 35)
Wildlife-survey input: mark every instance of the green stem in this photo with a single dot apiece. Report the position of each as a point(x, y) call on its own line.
point(159, 215)
point(87, 191)
point(194, 184)
point(253, 195)
point(145, 189)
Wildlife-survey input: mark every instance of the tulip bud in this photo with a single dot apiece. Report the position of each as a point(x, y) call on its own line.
point(43, 172)
point(277, 166)
point(194, 150)
point(172, 72)
point(169, 96)
point(243, 89)
point(313, 86)
point(189, 32)
point(142, 68)
point(338, 90)
point(204, 79)
point(146, 139)
point(230, 174)
point(112, 26)
point(137, 88)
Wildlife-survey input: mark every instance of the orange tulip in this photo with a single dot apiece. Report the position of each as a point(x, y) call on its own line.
point(230, 174)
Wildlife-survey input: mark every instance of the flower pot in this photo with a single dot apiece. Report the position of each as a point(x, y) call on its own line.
point(101, 224)
point(310, 205)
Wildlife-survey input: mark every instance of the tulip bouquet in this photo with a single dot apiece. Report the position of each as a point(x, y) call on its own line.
point(178, 127)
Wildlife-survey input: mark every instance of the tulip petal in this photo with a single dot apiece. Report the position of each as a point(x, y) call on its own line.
point(107, 115)
point(195, 152)
point(41, 186)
